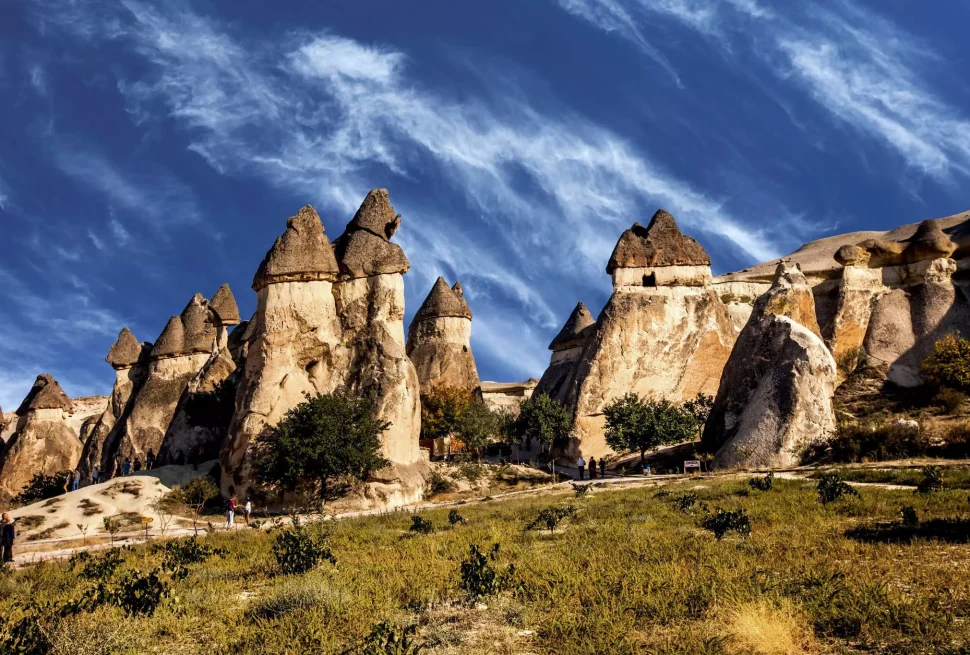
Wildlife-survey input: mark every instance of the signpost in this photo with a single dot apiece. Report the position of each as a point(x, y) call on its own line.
point(146, 521)
point(692, 464)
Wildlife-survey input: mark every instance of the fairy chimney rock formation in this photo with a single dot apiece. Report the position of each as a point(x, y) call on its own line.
point(663, 334)
point(42, 442)
point(439, 340)
point(567, 348)
point(775, 396)
point(328, 319)
point(223, 303)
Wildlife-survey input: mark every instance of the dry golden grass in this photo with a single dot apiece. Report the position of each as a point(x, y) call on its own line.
point(765, 628)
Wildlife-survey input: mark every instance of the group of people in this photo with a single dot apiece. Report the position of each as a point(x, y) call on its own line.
point(231, 508)
point(581, 466)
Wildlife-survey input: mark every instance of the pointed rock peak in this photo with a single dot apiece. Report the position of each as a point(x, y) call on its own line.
point(301, 253)
point(790, 295)
point(459, 291)
point(929, 242)
point(661, 243)
point(223, 303)
point(441, 302)
point(125, 352)
point(574, 332)
point(171, 342)
point(45, 394)
point(376, 215)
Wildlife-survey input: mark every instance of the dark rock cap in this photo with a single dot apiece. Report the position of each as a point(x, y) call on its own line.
point(46, 393)
point(303, 252)
point(223, 303)
point(659, 244)
point(574, 332)
point(929, 242)
point(441, 302)
point(376, 215)
point(125, 352)
point(852, 255)
point(171, 342)
point(460, 292)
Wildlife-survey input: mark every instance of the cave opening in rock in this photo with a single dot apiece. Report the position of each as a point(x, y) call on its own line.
point(650, 280)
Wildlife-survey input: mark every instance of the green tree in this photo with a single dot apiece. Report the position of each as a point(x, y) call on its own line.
point(477, 426)
point(949, 365)
point(441, 409)
point(543, 419)
point(636, 424)
point(320, 441)
point(700, 409)
point(193, 495)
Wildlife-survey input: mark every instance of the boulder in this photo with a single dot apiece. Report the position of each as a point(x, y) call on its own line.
point(439, 340)
point(42, 442)
point(774, 400)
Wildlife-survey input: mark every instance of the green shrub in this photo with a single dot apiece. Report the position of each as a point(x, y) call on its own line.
point(856, 442)
point(723, 521)
point(454, 517)
point(932, 480)
point(479, 576)
point(43, 486)
point(831, 487)
point(138, 593)
point(950, 400)
point(685, 502)
point(384, 639)
point(420, 525)
point(179, 553)
point(550, 517)
point(302, 547)
point(439, 484)
point(762, 484)
point(949, 365)
point(98, 569)
point(581, 490)
point(909, 516)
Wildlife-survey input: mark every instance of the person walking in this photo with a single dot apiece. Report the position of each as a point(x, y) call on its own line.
point(150, 460)
point(592, 468)
point(76, 481)
point(580, 465)
point(247, 510)
point(603, 467)
point(96, 474)
point(231, 514)
point(126, 467)
point(137, 464)
point(8, 534)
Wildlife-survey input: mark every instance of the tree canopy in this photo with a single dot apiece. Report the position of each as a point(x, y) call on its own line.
point(544, 419)
point(640, 425)
point(318, 442)
point(478, 425)
point(441, 410)
point(949, 364)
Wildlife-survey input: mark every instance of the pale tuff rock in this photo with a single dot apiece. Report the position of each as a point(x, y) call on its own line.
point(223, 303)
point(439, 340)
point(566, 347)
point(659, 336)
point(302, 254)
point(43, 442)
point(314, 334)
point(507, 396)
point(775, 395)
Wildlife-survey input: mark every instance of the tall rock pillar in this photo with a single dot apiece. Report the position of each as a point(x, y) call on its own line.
point(439, 340)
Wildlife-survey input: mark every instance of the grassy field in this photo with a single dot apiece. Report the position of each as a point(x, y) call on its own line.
point(953, 477)
point(631, 573)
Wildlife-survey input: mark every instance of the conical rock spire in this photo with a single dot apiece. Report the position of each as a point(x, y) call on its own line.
point(659, 244)
point(302, 252)
point(574, 332)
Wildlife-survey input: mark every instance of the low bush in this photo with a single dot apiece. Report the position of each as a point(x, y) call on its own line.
point(551, 517)
point(909, 516)
point(479, 576)
point(302, 547)
point(869, 441)
point(722, 521)
point(385, 639)
point(455, 518)
point(932, 480)
point(685, 502)
point(831, 488)
point(581, 490)
point(43, 486)
point(137, 592)
point(439, 484)
point(179, 553)
point(949, 400)
point(762, 484)
point(949, 364)
point(420, 525)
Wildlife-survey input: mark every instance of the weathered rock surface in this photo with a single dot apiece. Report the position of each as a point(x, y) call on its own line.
point(439, 340)
point(507, 396)
point(567, 348)
point(43, 442)
point(323, 325)
point(775, 396)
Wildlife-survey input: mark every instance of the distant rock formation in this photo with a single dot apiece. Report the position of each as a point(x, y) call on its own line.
point(775, 395)
point(327, 319)
point(439, 340)
point(567, 350)
point(664, 333)
point(507, 396)
point(43, 442)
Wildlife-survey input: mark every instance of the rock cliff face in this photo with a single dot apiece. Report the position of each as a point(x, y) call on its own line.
point(664, 332)
point(328, 319)
point(775, 395)
point(42, 442)
point(439, 340)
point(567, 349)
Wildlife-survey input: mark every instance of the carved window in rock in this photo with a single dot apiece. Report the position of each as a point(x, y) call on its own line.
point(650, 280)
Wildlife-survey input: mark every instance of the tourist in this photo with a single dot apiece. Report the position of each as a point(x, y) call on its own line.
point(126, 468)
point(76, 480)
point(137, 464)
point(117, 473)
point(247, 510)
point(592, 468)
point(580, 465)
point(96, 474)
point(231, 514)
point(150, 460)
point(179, 457)
point(8, 533)
point(603, 467)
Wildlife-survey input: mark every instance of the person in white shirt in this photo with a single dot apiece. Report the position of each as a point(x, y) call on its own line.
point(580, 465)
point(247, 510)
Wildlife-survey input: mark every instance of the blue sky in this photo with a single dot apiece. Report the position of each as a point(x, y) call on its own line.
point(152, 150)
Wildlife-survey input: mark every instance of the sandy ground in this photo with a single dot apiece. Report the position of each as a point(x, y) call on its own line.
point(81, 513)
